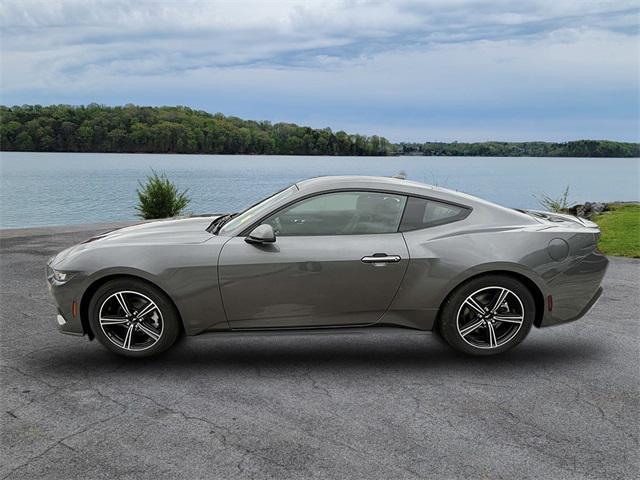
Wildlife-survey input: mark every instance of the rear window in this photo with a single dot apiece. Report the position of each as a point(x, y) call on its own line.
point(423, 213)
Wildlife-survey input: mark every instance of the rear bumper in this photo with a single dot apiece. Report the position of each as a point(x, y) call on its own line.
point(581, 314)
point(576, 291)
point(589, 305)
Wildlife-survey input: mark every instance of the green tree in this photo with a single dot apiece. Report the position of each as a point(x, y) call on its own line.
point(132, 128)
point(160, 198)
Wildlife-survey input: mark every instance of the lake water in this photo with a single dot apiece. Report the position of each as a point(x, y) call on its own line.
point(38, 189)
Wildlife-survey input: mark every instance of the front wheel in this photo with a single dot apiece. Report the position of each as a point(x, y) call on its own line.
point(487, 315)
point(133, 318)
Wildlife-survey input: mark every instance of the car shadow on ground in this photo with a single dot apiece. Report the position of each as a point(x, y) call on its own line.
point(210, 354)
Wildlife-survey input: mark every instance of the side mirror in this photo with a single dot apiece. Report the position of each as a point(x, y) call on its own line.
point(261, 234)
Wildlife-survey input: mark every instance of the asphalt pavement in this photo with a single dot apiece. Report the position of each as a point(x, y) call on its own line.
point(563, 405)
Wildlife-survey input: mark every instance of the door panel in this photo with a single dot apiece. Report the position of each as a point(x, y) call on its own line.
point(309, 281)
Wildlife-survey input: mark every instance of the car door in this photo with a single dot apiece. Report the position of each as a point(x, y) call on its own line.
point(338, 259)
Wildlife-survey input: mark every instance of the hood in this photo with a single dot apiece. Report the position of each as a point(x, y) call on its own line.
point(166, 232)
point(182, 231)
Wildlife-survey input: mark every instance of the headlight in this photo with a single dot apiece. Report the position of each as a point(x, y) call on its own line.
point(59, 276)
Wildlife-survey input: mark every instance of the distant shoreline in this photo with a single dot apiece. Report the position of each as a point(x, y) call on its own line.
point(180, 130)
point(304, 155)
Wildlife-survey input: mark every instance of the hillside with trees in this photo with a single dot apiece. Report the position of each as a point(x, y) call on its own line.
point(136, 129)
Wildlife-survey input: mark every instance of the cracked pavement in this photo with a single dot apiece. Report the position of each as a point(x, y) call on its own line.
point(564, 404)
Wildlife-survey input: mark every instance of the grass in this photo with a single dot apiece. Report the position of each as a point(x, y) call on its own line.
point(620, 230)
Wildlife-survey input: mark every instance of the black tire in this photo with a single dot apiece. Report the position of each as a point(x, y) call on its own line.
point(466, 330)
point(164, 315)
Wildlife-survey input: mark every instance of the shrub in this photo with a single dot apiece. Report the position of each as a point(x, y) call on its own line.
point(160, 198)
point(558, 205)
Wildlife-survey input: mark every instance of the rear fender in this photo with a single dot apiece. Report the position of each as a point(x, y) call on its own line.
point(530, 278)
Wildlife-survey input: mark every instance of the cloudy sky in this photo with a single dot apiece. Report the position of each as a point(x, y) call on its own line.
point(409, 70)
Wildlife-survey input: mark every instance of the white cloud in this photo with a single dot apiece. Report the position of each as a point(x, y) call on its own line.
point(428, 59)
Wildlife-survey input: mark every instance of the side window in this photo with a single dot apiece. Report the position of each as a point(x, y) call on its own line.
point(423, 213)
point(340, 213)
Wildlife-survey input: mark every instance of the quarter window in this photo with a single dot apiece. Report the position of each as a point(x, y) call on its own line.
point(423, 213)
point(340, 213)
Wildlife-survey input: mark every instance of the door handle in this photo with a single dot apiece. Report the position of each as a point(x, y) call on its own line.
point(381, 258)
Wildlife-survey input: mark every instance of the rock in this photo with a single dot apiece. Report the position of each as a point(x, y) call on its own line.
point(588, 209)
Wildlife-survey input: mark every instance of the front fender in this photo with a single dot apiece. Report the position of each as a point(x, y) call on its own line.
point(188, 274)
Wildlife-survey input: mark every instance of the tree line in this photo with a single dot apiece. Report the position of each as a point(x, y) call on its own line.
point(578, 148)
point(136, 129)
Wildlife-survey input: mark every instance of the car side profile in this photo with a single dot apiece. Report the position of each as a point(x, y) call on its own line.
point(334, 254)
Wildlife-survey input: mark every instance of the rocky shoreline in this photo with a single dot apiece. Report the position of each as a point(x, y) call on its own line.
point(589, 209)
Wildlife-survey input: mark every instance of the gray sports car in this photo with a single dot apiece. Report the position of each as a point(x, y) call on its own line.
point(334, 253)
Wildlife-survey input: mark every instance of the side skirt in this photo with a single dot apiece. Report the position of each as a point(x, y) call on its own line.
point(365, 330)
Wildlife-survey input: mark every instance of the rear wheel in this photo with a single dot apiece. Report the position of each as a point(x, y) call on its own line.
point(487, 315)
point(133, 318)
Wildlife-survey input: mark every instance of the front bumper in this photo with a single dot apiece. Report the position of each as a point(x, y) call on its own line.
point(65, 295)
point(68, 327)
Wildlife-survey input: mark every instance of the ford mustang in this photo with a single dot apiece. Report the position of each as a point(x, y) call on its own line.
point(334, 254)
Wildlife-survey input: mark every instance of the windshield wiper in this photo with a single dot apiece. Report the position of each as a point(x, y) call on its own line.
point(217, 224)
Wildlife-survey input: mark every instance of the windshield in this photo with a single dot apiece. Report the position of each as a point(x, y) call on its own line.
point(256, 211)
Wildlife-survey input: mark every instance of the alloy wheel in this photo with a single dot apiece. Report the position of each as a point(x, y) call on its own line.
point(131, 320)
point(490, 317)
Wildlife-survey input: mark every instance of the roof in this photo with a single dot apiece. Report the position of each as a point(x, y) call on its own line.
point(484, 212)
point(361, 181)
point(409, 187)
point(383, 183)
